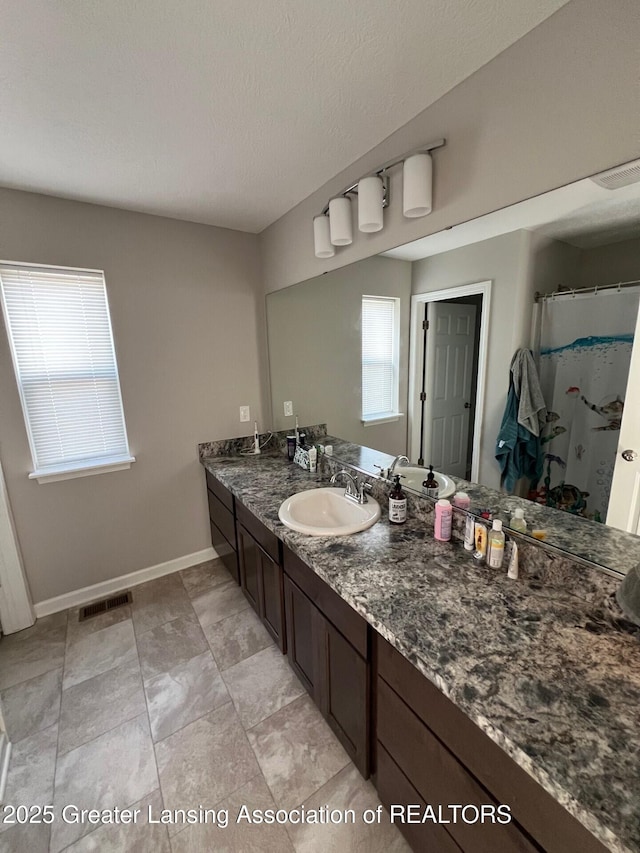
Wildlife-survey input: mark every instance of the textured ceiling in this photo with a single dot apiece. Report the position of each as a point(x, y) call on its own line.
point(227, 112)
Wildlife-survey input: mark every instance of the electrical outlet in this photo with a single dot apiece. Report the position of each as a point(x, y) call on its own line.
point(288, 408)
point(245, 414)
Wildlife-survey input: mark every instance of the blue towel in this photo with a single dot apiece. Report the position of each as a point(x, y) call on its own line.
point(517, 449)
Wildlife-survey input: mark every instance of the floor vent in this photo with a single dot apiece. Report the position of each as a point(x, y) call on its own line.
point(98, 607)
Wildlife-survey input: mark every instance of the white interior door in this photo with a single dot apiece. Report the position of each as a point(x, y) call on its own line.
point(449, 371)
point(624, 503)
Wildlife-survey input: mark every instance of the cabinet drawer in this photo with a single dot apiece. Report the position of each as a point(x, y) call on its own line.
point(395, 789)
point(221, 492)
point(537, 811)
point(267, 540)
point(222, 518)
point(439, 778)
point(350, 624)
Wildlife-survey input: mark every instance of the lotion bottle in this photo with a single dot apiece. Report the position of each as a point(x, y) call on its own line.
point(442, 526)
point(517, 522)
point(397, 503)
point(495, 545)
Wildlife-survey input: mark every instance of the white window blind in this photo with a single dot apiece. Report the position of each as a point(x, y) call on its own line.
point(60, 336)
point(380, 347)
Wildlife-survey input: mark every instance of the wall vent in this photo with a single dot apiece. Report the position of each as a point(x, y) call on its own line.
point(621, 176)
point(98, 607)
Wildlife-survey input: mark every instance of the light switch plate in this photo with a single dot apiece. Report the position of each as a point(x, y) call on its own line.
point(288, 408)
point(245, 414)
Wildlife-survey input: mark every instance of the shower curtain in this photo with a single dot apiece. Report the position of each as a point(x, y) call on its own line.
point(585, 350)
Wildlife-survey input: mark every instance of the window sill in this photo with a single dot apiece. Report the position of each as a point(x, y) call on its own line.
point(387, 418)
point(82, 469)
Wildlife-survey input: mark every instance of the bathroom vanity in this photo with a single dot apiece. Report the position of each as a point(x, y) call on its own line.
point(449, 683)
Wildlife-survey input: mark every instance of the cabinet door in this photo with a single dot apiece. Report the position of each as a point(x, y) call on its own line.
point(302, 620)
point(344, 694)
point(271, 596)
point(249, 568)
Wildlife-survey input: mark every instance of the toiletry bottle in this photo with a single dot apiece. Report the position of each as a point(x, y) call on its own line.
point(517, 522)
point(480, 554)
point(513, 562)
point(462, 500)
point(495, 545)
point(430, 486)
point(313, 460)
point(397, 503)
point(292, 443)
point(442, 526)
point(469, 533)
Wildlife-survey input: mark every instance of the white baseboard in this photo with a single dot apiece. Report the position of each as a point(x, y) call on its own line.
point(5, 755)
point(99, 590)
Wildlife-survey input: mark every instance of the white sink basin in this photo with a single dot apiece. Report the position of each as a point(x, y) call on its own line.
point(327, 512)
point(413, 477)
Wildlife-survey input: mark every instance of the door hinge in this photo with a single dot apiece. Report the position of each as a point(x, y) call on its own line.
point(423, 396)
point(425, 325)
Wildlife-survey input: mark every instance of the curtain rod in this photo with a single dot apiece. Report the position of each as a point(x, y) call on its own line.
point(572, 291)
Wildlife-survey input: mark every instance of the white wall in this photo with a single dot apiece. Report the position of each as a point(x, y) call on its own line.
point(315, 350)
point(558, 105)
point(184, 309)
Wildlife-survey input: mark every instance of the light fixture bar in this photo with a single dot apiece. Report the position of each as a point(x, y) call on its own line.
point(422, 149)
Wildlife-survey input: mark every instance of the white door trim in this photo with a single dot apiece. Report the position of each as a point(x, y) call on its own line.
point(16, 608)
point(416, 353)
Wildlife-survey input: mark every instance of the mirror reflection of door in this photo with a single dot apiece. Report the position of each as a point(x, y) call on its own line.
point(450, 382)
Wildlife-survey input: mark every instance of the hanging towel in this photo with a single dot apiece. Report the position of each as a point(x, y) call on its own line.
point(532, 410)
point(517, 449)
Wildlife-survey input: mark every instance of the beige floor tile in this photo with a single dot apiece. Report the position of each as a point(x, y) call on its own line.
point(240, 837)
point(98, 653)
point(25, 838)
point(206, 576)
point(32, 768)
point(262, 684)
point(141, 837)
point(77, 630)
point(219, 603)
point(297, 752)
point(188, 691)
point(33, 705)
point(115, 769)
point(161, 600)
point(101, 703)
point(237, 638)
point(347, 790)
point(168, 645)
point(205, 761)
point(34, 651)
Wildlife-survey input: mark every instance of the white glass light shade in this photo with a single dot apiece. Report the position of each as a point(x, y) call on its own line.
point(340, 221)
point(417, 175)
point(370, 196)
point(321, 237)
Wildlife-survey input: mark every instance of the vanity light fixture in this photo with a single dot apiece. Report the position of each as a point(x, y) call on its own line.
point(322, 237)
point(340, 221)
point(333, 226)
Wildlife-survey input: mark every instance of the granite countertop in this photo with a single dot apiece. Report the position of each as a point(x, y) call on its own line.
point(535, 667)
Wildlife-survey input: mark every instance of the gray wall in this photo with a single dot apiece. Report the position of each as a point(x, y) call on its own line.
point(315, 350)
point(184, 309)
point(609, 264)
point(503, 260)
point(560, 104)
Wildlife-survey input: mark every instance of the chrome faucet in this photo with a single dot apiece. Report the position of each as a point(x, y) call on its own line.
point(396, 461)
point(356, 489)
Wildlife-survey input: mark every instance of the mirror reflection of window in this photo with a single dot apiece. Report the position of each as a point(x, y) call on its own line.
point(380, 357)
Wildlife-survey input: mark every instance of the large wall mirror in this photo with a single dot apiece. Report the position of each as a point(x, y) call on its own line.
point(409, 352)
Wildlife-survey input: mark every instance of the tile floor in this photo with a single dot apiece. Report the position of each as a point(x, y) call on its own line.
point(177, 700)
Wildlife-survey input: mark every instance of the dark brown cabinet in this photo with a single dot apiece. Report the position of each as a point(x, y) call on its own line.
point(222, 522)
point(334, 671)
point(261, 578)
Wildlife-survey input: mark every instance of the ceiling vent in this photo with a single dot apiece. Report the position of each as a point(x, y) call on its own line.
point(621, 176)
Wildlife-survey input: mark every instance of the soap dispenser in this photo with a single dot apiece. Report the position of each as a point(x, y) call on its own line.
point(430, 486)
point(397, 503)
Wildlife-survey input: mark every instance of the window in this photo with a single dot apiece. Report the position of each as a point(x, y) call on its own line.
point(380, 356)
point(62, 347)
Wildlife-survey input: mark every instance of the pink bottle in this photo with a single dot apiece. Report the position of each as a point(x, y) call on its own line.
point(442, 526)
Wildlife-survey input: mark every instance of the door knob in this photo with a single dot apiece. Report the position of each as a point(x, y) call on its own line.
point(629, 455)
point(467, 405)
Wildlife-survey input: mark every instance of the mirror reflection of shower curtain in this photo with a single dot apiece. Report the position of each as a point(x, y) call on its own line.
point(585, 351)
